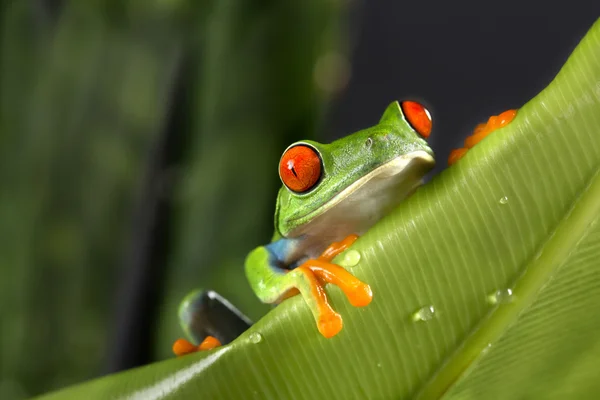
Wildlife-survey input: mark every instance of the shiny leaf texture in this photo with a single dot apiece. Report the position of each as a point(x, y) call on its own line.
point(485, 282)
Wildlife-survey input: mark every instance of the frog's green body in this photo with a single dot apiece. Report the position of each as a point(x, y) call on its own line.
point(361, 178)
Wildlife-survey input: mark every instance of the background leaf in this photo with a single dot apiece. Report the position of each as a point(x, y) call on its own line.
point(518, 212)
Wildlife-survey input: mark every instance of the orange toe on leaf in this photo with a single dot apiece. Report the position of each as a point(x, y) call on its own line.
point(209, 343)
point(479, 128)
point(481, 131)
point(492, 122)
point(476, 138)
point(456, 155)
point(336, 248)
point(361, 296)
point(330, 324)
point(506, 117)
point(182, 346)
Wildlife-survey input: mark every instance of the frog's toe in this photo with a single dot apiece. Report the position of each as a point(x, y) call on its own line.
point(337, 247)
point(182, 347)
point(456, 155)
point(330, 324)
point(494, 123)
point(209, 343)
point(361, 295)
point(481, 131)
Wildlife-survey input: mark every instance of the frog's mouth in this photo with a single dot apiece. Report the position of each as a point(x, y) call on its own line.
point(409, 168)
point(376, 193)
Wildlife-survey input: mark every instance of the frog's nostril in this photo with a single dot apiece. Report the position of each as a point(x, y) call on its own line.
point(369, 142)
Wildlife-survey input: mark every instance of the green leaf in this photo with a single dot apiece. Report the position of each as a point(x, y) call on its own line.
point(503, 247)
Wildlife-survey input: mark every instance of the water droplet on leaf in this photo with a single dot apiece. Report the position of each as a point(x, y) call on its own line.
point(503, 200)
point(486, 348)
point(501, 296)
point(424, 314)
point(350, 259)
point(255, 337)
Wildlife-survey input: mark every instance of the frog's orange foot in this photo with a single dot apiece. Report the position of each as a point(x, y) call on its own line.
point(337, 247)
point(359, 294)
point(330, 324)
point(480, 132)
point(182, 346)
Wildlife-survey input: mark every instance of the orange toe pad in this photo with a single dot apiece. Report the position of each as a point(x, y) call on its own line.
point(480, 132)
point(182, 346)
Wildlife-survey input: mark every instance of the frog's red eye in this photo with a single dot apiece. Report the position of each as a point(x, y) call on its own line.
point(300, 168)
point(418, 117)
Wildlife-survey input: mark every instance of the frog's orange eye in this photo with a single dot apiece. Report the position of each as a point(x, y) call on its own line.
point(418, 117)
point(300, 168)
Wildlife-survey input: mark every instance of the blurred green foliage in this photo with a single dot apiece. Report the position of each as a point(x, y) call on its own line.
point(86, 90)
point(254, 94)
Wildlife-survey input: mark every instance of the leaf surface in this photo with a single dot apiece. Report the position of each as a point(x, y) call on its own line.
point(503, 247)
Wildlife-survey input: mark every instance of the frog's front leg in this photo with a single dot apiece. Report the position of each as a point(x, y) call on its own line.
point(272, 282)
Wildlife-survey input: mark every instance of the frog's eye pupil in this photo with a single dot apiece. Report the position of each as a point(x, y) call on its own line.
point(418, 117)
point(300, 168)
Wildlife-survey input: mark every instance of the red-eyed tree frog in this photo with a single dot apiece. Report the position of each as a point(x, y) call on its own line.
point(332, 193)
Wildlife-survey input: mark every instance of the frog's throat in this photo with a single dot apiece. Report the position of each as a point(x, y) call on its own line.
point(392, 168)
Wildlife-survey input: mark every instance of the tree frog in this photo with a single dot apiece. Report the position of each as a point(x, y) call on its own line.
point(331, 194)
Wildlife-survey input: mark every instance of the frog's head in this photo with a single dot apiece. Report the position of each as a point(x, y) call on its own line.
point(356, 179)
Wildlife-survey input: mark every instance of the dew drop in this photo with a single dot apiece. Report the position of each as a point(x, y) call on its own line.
point(503, 200)
point(424, 314)
point(487, 348)
point(351, 258)
point(501, 296)
point(378, 365)
point(255, 337)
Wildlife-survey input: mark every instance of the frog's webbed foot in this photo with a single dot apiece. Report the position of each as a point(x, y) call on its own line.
point(182, 346)
point(358, 293)
point(321, 271)
point(480, 132)
point(272, 283)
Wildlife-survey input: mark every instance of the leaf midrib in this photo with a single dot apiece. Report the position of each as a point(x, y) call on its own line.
point(552, 254)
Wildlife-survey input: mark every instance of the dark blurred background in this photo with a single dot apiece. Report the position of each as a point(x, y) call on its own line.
point(139, 141)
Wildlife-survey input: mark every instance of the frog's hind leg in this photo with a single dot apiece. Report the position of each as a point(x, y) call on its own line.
point(209, 319)
point(182, 347)
point(480, 132)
